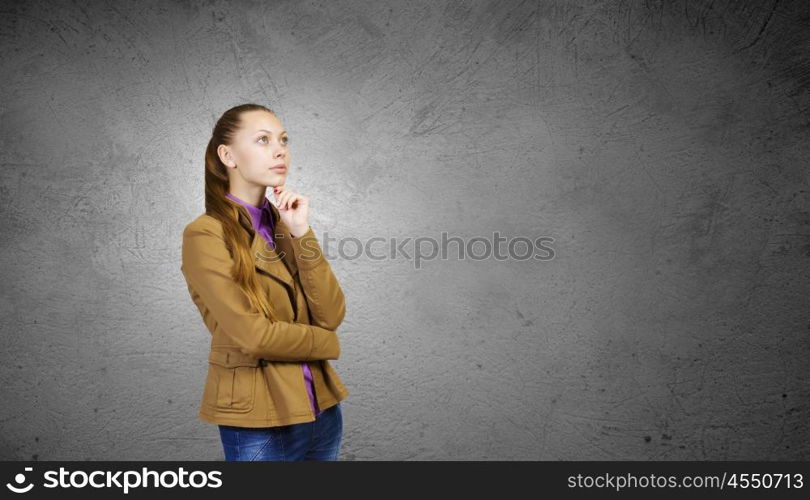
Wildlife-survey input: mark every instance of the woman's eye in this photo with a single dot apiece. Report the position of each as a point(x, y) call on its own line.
point(263, 139)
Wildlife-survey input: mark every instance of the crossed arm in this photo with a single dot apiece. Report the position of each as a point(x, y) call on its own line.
point(206, 265)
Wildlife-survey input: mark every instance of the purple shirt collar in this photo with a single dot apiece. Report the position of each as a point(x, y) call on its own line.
point(262, 217)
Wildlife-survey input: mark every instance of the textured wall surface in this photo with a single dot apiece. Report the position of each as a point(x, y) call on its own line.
point(662, 145)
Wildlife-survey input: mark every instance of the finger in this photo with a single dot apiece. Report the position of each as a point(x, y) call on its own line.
point(288, 196)
point(277, 192)
point(279, 203)
point(283, 198)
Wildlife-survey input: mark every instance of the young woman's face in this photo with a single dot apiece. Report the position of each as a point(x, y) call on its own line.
point(259, 149)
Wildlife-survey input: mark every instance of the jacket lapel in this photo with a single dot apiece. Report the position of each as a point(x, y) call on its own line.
point(279, 263)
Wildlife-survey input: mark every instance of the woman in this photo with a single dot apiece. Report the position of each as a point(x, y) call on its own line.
point(267, 294)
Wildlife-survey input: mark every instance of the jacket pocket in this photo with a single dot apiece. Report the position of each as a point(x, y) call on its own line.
point(235, 376)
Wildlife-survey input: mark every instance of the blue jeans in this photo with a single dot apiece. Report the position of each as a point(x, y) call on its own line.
point(318, 440)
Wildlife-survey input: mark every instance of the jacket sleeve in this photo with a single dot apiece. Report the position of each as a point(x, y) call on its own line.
point(327, 305)
point(206, 265)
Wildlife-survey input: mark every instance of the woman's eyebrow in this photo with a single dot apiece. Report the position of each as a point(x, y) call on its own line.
point(271, 133)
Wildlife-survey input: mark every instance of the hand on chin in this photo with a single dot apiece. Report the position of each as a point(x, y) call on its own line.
point(293, 208)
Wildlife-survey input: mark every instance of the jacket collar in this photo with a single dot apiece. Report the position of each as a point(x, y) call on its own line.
point(278, 262)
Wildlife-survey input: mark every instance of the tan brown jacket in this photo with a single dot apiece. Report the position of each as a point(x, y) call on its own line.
point(254, 366)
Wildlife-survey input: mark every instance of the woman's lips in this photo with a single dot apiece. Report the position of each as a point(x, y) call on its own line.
point(279, 169)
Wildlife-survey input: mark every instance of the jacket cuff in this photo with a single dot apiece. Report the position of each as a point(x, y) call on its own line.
point(307, 250)
point(325, 344)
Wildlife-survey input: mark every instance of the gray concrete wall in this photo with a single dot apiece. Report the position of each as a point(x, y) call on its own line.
point(662, 145)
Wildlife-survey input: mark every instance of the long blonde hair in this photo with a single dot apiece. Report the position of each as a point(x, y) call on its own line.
point(236, 223)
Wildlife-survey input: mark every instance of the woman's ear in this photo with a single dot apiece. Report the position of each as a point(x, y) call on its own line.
point(225, 156)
